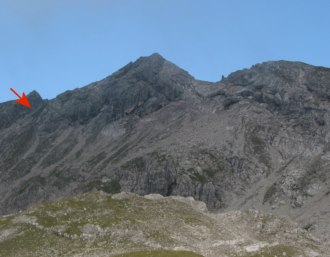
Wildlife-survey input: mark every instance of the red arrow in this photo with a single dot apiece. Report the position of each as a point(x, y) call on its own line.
point(22, 99)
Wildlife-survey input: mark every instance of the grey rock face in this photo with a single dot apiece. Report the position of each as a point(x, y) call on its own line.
point(257, 139)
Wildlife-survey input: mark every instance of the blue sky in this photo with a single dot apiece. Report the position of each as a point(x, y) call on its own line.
point(56, 45)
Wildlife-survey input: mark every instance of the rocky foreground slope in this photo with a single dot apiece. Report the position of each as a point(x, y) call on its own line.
point(127, 225)
point(258, 139)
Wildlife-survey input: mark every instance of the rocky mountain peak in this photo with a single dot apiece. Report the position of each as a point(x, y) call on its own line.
point(11, 112)
point(151, 68)
point(34, 94)
point(139, 88)
point(35, 99)
point(288, 87)
point(279, 69)
point(152, 59)
point(287, 72)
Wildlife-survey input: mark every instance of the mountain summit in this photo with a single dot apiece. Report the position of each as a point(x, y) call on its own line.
point(257, 139)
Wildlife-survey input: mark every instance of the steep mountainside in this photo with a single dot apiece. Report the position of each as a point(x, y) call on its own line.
point(259, 139)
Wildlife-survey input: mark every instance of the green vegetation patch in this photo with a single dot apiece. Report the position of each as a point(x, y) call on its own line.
point(95, 224)
point(35, 242)
point(160, 254)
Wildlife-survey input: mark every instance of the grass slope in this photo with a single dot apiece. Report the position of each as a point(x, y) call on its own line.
point(159, 254)
point(98, 224)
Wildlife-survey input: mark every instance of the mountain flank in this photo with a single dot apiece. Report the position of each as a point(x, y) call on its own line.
point(258, 139)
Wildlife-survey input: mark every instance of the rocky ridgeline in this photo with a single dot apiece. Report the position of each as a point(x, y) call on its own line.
point(257, 139)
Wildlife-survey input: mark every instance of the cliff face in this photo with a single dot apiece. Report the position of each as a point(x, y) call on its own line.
point(257, 139)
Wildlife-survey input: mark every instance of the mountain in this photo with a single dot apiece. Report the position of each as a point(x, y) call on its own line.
point(258, 139)
point(127, 225)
